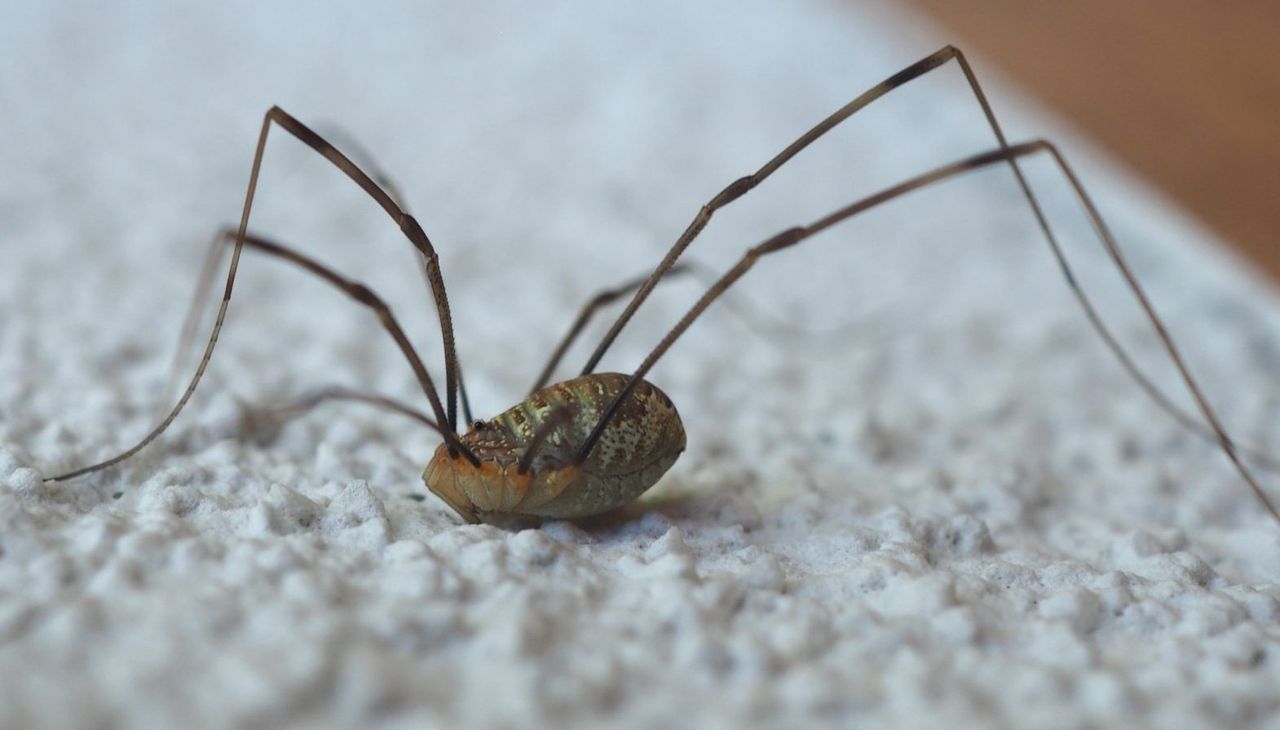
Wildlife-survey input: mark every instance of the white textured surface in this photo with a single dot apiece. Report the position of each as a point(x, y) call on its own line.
point(955, 510)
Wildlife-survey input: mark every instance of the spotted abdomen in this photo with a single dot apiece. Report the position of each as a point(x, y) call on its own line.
point(641, 441)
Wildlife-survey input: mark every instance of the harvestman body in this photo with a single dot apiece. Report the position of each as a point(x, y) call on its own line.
point(595, 442)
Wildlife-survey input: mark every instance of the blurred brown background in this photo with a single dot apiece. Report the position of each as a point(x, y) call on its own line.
point(1186, 92)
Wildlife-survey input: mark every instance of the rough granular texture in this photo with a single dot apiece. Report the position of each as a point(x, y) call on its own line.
point(917, 491)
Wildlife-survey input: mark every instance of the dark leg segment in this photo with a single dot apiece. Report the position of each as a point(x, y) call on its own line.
point(793, 236)
point(212, 263)
point(314, 398)
point(739, 187)
point(754, 318)
point(446, 417)
point(204, 286)
point(364, 160)
point(921, 67)
point(363, 295)
point(600, 299)
point(368, 298)
point(407, 223)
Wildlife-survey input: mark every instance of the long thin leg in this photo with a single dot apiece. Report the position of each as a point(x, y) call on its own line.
point(925, 65)
point(793, 236)
point(754, 318)
point(314, 398)
point(757, 318)
point(408, 225)
point(364, 295)
point(209, 269)
point(204, 287)
point(359, 154)
point(309, 400)
point(364, 159)
point(598, 300)
point(361, 294)
point(742, 185)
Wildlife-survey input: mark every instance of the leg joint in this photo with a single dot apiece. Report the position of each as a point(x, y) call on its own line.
point(735, 190)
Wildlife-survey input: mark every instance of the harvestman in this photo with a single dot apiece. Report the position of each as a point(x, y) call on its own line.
point(597, 441)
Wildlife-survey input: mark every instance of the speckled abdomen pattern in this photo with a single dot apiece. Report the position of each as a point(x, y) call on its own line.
point(641, 441)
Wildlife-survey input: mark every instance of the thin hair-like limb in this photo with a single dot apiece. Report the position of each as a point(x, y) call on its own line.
point(204, 288)
point(921, 67)
point(742, 185)
point(597, 300)
point(408, 225)
point(366, 296)
point(793, 236)
point(363, 158)
point(213, 259)
point(760, 320)
point(314, 398)
point(1153, 391)
point(308, 400)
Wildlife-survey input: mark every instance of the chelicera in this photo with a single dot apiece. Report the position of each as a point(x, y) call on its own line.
point(597, 441)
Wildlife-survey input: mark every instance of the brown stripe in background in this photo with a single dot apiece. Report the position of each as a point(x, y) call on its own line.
point(1187, 93)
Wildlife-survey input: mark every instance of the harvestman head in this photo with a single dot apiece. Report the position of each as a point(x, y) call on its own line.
point(592, 443)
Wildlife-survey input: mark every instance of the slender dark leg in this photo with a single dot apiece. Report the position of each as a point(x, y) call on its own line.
point(408, 225)
point(364, 159)
point(305, 402)
point(361, 294)
point(921, 67)
point(204, 287)
point(600, 299)
point(739, 187)
point(212, 263)
point(793, 236)
point(313, 398)
point(366, 296)
point(754, 318)
point(361, 157)
point(929, 63)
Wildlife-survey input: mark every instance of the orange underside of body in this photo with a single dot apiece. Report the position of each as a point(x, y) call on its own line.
point(493, 488)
